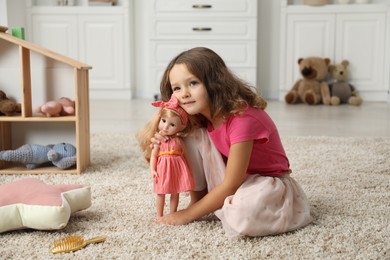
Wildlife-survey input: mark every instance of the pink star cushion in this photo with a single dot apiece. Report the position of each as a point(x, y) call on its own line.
point(31, 203)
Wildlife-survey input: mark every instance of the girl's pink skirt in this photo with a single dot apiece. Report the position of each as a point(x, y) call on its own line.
point(261, 206)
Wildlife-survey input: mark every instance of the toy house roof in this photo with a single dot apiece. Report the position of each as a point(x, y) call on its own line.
point(48, 53)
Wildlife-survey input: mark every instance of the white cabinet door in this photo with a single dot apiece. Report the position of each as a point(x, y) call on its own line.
point(205, 29)
point(357, 37)
point(101, 46)
point(237, 56)
point(229, 27)
point(57, 33)
point(307, 35)
point(215, 8)
point(361, 40)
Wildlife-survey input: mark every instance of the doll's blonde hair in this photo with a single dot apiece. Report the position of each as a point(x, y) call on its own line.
point(145, 134)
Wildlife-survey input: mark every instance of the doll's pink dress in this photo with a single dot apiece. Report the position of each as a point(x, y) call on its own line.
point(174, 175)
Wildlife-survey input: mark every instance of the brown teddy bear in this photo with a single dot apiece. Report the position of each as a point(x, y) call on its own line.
point(341, 92)
point(313, 88)
point(8, 107)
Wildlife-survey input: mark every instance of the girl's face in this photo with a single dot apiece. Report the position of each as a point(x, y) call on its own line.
point(189, 90)
point(170, 125)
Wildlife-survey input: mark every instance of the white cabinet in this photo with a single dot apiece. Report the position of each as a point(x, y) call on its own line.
point(99, 36)
point(353, 32)
point(102, 45)
point(56, 32)
point(229, 27)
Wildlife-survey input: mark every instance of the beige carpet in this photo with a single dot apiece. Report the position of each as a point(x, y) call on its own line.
point(347, 181)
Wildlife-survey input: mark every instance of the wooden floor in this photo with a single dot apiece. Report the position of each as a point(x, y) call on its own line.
point(369, 119)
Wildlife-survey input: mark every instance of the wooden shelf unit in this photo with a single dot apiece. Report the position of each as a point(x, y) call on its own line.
point(81, 118)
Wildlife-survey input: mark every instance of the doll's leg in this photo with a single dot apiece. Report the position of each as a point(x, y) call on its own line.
point(174, 202)
point(160, 201)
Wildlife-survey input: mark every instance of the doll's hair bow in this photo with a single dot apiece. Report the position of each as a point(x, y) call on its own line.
point(173, 104)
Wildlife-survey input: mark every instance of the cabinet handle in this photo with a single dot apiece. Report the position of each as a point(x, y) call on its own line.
point(201, 29)
point(202, 6)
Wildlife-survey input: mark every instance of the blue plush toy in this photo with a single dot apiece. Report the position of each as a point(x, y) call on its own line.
point(62, 155)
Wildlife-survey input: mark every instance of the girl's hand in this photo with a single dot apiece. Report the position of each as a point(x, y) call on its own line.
point(157, 139)
point(177, 218)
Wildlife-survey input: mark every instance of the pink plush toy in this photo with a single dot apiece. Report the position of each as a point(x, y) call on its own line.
point(32, 203)
point(61, 107)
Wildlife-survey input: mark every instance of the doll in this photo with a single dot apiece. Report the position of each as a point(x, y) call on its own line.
point(168, 165)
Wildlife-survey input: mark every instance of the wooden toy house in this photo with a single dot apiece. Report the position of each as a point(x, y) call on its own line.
point(16, 128)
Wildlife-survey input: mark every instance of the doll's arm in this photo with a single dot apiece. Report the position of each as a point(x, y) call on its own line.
point(237, 165)
point(353, 89)
point(153, 161)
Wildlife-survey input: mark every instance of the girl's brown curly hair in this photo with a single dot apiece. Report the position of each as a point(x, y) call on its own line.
point(227, 93)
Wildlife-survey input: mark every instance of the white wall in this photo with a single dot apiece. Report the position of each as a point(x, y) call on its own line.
point(268, 39)
point(12, 13)
point(268, 48)
point(3, 13)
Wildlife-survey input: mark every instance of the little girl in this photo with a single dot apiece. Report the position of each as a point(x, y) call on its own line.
point(242, 158)
point(168, 165)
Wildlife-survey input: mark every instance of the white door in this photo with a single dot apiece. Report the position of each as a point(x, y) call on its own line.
point(360, 39)
point(56, 32)
point(102, 47)
point(307, 35)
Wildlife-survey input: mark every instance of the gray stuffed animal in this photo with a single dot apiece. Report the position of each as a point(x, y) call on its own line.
point(341, 91)
point(62, 155)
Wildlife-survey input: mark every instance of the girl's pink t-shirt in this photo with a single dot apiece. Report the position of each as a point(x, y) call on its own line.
point(268, 156)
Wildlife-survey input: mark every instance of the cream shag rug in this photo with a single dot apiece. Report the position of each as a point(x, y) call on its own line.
point(347, 181)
